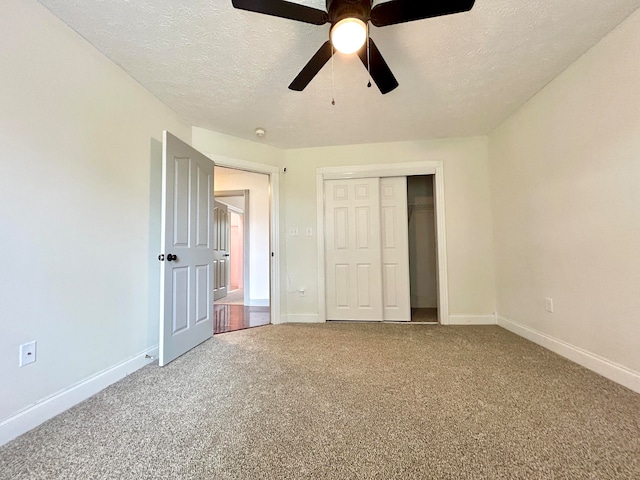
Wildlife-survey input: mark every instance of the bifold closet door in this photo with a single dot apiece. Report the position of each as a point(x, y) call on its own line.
point(353, 254)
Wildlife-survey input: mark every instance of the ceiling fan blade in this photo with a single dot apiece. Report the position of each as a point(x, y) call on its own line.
point(280, 8)
point(399, 11)
point(380, 71)
point(312, 68)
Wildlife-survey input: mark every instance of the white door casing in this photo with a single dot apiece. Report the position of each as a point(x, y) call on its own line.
point(221, 251)
point(186, 290)
point(396, 287)
point(354, 282)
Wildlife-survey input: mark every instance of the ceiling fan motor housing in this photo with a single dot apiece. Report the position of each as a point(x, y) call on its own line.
point(341, 9)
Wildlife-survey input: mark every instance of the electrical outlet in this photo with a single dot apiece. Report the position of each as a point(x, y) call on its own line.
point(548, 304)
point(27, 353)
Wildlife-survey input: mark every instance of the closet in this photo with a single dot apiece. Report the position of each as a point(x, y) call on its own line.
point(367, 248)
point(380, 249)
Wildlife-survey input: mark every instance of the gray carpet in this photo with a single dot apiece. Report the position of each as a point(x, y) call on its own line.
point(342, 401)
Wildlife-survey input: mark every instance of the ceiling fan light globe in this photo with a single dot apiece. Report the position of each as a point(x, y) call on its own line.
point(349, 35)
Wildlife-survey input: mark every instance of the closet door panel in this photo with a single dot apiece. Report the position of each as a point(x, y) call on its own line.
point(395, 249)
point(353, 246)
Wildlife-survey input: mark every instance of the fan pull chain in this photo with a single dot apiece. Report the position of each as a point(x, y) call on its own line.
point(368, 56)
point(333, 94)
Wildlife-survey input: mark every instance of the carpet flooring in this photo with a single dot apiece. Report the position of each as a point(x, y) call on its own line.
point(346, 401)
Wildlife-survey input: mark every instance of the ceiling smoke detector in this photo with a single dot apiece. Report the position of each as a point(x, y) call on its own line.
point(260, 132)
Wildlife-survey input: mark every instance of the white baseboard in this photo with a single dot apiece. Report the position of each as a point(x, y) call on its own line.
point(259, 302)
point(608, 369)
point(301, 318)
point(29, 418)
point(453, 319)
point(472, 320)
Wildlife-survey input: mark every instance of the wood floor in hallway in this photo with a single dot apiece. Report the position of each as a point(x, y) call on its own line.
point(229, 318)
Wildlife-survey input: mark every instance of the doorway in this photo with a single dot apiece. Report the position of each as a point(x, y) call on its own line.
point(244, 199)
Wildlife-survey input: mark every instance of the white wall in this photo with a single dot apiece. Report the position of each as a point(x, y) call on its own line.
point(259, 259)
point(80, 144)
point(468, 217)
point(565, 173)
point(214, 143)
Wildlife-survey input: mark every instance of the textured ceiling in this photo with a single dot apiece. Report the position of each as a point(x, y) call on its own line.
point(228, 70)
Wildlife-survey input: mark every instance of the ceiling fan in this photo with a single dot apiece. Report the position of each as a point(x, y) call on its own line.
point(349, 32)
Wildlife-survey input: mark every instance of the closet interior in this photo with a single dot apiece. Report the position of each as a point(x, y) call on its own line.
point(423, 267)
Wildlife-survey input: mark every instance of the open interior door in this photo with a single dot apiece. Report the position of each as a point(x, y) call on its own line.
point(186, 291)
point(221, 251)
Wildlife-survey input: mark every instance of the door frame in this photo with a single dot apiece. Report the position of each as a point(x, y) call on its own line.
point(274, 223)
point(432, 167)
point(246, 228)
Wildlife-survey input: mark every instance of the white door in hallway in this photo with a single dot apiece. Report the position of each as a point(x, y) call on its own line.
point(221, 259)
point(186, 307)
point(396, 286)
point(353, 260)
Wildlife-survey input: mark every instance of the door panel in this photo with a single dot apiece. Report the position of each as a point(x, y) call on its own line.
point(221, 250)
point(181, 201)
point(180, 299)
point(186, 307)
point(389, 277)
point(202, 286)
point(353, 261)
point(395, 249)
point(203, 213)
point(342, 286)
point(363, 285)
